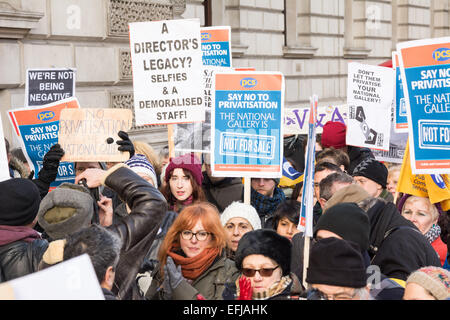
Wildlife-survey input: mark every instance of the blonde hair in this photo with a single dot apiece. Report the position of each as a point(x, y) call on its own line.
point(145, 149)
point(431, 207)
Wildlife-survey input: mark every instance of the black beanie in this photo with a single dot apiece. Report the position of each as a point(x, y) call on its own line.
point(373, 170)
point(268, 243)
point(336, 262)
point(19, 202)
point(348, 221)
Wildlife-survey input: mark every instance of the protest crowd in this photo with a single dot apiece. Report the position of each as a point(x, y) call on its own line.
point(184, 234)
point(172, 225)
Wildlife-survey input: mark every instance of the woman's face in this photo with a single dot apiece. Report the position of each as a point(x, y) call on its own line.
point(180, 185)
point(392, 181)
point(286, 228)
point(193, 247)
point(419, 213)
point(256, 262)
point(235, 228)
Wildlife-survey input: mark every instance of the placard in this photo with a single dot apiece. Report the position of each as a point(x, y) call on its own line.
point(167, 71)
point(216, 46)
point(74, 279)
point(425, 68)
point(37, 129)
point(247, 124)
point(370, 92)
point(400, 117)
point(45, 86)
point(4, 166)
point(89, 135)
point(296, 119)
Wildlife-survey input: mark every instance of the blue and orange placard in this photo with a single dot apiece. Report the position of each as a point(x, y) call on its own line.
point(247, 124)
point(425, 69)
point(37, 129)
point(400, 117)
point(216, 46)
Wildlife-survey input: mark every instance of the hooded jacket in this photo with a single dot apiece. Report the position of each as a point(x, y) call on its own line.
point(396, 245)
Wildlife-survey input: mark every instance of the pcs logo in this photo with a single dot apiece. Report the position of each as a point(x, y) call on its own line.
point(248, 82)
point(441, 54)
point(205, 36)
point(46, 115)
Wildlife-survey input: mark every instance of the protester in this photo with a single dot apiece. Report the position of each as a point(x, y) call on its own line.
point(238, 219)
point(21, 247)
point(140, 164)
point(183, 178)
point(392, 179)
point(333, 135)
point(137, 231)
point(335, 156)
point(147, 151)
point(19, 163)
point(428, 283)
point(321, 171)
point(425, 215)
point(330, 184)
point(192, 259)
point(265, 197)
point(263, 259)
point(221, 191)
point(372, 176)
point(286, 218)
point(294, 151)
point(164, 156)
point(396, 245)
point(103, 248)
point(336, 271)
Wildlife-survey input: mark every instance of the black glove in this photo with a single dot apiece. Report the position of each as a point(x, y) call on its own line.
point(125, 144)
point(172, 277)
point(50, 164)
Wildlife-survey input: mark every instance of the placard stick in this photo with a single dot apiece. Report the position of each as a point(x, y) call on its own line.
point(171, 141)
point(247, 190)
point(305, 260)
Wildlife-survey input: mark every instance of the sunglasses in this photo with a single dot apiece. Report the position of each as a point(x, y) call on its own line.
point(263, 272)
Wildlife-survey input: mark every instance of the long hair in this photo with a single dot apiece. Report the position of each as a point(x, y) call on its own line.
point(197, 191)
point(208, 214)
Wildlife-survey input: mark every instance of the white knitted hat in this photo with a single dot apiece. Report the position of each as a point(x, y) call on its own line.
point(241, 210)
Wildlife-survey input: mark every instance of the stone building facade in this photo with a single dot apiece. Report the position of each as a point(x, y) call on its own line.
point(309, 41)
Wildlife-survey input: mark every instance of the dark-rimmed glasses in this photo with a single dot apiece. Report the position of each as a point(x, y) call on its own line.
point(199, 235)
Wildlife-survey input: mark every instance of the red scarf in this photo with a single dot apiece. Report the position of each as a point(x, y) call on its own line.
point(192, 268)
point(178, 206)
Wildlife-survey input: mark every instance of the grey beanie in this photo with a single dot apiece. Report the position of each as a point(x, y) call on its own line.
point(66, 209)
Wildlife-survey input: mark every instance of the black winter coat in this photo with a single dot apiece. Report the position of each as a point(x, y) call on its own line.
point(396, 245)
point(20, 258)
point(137, 230)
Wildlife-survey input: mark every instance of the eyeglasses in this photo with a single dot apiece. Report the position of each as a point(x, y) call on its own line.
point(263, 272)
point(200, 235)
point(316, 294)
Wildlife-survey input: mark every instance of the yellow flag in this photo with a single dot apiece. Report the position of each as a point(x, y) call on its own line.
point(409, 183)
point(436, 187)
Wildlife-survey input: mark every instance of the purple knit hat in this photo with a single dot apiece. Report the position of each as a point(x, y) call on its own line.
point(189, 162)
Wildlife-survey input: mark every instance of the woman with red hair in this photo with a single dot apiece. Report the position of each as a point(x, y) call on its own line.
point(192, 259)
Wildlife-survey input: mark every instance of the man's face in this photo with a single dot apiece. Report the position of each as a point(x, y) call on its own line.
point(81, 166)
point(264, 186)
point(319, 176)
point(373, 189)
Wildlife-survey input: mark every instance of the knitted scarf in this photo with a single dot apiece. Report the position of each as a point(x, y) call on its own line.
point(433, 233)
point(178, 206)
point(266, 205)
point(275, 289)
point(192, 268)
